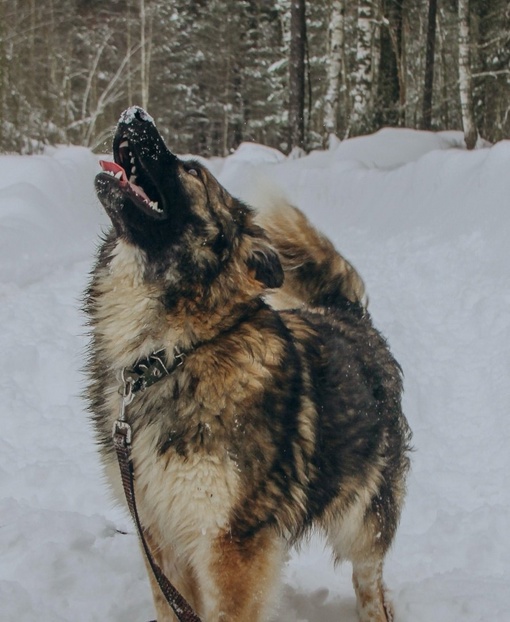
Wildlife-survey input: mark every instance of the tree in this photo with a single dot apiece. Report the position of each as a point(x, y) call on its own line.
point(146, 16)
point(334, 67)
point(465, 77)
point(228, 72)
point(390, 100)
point(491, 67)
point(3, 73)
point(361, 115)
point(297, 74)
point(429, 66)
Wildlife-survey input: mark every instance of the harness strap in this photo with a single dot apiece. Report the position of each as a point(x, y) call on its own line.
point(135, 380)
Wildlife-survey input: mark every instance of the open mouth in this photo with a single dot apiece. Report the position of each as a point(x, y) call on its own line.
point(132, 179)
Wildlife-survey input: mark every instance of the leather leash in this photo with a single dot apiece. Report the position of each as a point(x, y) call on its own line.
point(144, 374)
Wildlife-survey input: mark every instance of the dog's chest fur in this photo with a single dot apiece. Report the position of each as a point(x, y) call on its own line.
point(184, 497)
point(187, 427)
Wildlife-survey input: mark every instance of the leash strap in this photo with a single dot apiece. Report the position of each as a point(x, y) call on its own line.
point(122, 436)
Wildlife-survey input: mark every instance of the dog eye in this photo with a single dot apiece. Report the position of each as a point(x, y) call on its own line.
point(192, 171)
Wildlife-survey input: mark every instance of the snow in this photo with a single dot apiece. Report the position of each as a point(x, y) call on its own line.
point(426, 223)
point(129, 115)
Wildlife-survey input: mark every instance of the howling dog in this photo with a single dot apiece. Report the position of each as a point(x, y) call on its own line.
point(278, 410)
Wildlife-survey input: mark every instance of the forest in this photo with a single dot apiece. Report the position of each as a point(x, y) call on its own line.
point(291, 74)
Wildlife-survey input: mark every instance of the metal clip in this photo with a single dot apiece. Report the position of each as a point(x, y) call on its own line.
point(127, 394)
point(121, 431)
point(121, 426)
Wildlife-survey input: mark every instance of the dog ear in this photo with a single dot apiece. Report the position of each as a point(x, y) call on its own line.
point(266, 265)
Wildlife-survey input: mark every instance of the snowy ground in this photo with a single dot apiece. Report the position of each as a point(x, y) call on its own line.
point(426, 223)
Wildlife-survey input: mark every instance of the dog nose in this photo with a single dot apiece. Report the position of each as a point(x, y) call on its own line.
point(135, 113)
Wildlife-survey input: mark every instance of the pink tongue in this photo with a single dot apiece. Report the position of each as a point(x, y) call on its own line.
point(113, 167)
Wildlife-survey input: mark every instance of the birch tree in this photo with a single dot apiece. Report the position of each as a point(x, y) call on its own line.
point(465, 77)
point(334, 68)
point(364, 74)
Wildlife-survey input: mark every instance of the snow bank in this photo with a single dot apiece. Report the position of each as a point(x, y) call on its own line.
point(425, 222)
point(48, 211)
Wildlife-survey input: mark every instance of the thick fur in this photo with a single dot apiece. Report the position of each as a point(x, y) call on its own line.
point(286, 414)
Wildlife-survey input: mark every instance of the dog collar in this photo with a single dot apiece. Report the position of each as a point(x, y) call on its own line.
point(150, 370)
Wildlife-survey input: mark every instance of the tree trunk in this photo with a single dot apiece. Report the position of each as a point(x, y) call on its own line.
point(429, 66)
point(443, 90)
point(395, 11)
point(387, 94)
point(145, 51)
point(334, 67)
point(465, 77)
point(128, 46)
point(3, 72)
point(297, 74)
point(363, 78)
point(376, 53)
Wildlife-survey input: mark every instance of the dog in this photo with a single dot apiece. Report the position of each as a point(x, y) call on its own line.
point(284, 414)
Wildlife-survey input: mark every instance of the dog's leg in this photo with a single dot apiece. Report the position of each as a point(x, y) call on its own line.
point(363, 536)
point(242, 578)
point(182, 578)
point(372, 601)
point(163, 611)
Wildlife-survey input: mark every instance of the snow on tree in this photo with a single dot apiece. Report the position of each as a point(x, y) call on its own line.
point(364, 72)
point(334, 67)
point(465, 76)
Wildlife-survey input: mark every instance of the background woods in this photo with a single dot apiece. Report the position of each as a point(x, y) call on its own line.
point(285, 73)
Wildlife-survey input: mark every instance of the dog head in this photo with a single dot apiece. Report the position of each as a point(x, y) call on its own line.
point(190, 231)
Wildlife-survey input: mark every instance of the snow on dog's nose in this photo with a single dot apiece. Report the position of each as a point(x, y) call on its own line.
point(135, 112)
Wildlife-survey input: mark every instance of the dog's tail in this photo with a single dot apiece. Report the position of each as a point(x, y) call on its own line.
point(316, 274)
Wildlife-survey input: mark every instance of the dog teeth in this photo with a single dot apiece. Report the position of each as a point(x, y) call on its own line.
point(154, 206)
point(118, 175)
point(133, 170)
point(124, 144)
point(132, 179)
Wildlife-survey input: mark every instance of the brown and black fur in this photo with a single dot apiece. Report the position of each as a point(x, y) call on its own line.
point(286, 414)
